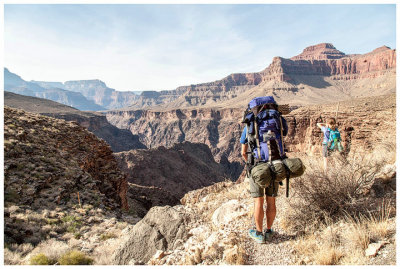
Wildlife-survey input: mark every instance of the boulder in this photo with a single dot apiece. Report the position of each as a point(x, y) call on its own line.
point(373, 248)
point(227, 212)
point(163, 228)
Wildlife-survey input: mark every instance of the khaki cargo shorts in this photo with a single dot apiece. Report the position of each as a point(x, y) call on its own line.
point(257, 191)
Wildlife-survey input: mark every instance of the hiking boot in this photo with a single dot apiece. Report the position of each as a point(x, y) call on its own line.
point(257, 236)
point(268, 235)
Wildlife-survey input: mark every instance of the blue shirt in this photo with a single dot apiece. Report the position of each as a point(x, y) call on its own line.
point(243, 138)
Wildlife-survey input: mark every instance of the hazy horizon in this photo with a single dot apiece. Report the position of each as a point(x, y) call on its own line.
point(162, 47)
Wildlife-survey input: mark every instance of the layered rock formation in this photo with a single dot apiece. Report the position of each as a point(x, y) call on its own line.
point(326, 60)
point(119, 140)
point(363, 123)
point(303, 79)
point(220, 129)
point(97, 91)
point(177, 170)
point(319, 71)
point(47, 162)
point(16, 84)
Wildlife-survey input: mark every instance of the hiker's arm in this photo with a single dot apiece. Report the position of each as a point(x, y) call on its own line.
point(244, 151)
point(320, 125)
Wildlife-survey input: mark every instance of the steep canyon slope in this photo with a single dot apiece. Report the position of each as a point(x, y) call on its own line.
point(47, 162)
point(175, 171)
point(95, 122)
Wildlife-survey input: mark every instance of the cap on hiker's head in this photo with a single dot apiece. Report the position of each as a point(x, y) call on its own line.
point(261, 100)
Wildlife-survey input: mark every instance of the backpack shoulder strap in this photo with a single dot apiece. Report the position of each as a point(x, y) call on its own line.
point(257, 140)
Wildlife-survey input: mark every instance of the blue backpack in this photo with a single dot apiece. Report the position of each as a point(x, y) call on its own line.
point(263, 118)
point(334, 141)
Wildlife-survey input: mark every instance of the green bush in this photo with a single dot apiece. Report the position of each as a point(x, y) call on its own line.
point(75, 257)
point(40, 259)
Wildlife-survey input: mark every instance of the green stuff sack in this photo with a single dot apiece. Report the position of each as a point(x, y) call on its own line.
point(280, 170)
point(261, 174)
point(295, 166)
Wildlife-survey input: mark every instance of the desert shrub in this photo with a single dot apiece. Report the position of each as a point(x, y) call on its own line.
point(72, 223)
point(11, 257)
point(75, 257)
point(107, 236)
point(318, 196)
point(52, 248)
point(40, 259)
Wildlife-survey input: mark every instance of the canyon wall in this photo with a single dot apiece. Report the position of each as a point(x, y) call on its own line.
point(295, 80)
point(362, 122)
point(175, 171)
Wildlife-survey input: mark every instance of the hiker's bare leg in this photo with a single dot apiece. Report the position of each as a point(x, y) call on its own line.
point(325, 164)
point(259, 212)
point(271, 211)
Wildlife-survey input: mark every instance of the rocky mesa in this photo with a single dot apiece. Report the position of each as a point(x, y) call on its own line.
point(302, 79)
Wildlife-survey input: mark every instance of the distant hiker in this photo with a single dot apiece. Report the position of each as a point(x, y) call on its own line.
point(331, 140)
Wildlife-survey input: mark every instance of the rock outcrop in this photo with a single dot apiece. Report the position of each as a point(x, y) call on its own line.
point(47, 162)
point(176, 170)
point(142, 198)
point(163, 228)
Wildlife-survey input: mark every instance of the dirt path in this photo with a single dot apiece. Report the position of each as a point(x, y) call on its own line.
point(276, 252)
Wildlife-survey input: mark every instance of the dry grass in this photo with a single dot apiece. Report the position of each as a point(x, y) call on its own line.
point(357, 257)
point(12, 257)
point(328, 255)
point(379, 224)
point(235, 256)
point(14, 254)
point(344, 242)
point(357, 234)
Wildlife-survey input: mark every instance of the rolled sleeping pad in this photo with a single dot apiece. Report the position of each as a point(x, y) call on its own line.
point(295, 166)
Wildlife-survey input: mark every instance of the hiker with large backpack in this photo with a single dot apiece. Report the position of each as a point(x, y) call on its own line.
point(266, 161)
point(331, 140)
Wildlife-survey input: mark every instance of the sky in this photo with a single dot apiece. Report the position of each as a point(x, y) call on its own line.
point(160, 47)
